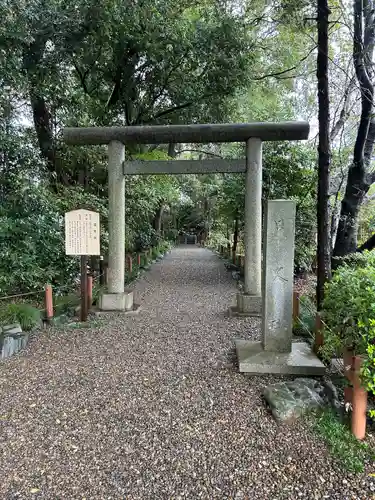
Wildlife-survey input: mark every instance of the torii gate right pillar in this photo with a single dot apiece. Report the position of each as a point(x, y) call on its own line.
point(249, 301)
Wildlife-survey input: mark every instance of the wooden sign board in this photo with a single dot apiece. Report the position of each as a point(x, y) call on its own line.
point(82, 233)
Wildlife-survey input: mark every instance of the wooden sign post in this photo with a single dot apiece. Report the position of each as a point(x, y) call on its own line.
point(82, 237)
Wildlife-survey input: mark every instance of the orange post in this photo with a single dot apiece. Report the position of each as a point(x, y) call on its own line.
point(295, 305)
point(89, 292)
point(130, 264)
point(48, 302)
point(348, 394)
point(359, 401)
point(319, 339)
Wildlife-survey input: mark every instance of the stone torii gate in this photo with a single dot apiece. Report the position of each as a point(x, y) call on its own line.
point(249, 302)
point(276, 353)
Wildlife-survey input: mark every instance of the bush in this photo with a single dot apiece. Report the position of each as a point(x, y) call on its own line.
point(65, 304)
point(349, 311)
point(146, 238)
point(349, 308)
point(24, 314)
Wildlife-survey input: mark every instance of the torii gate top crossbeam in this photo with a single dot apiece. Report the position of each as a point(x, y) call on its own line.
point(204, 133)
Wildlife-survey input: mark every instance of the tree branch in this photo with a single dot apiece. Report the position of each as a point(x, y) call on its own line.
point(199, 151)
point(82, 77)
point(279, 73)
point(344, 114)
point(176, 108)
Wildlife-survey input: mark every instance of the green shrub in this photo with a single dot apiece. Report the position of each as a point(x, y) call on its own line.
point(349, 308)
point(64, 304)
point(164, 246)
point(349, 311)
point(24, 314)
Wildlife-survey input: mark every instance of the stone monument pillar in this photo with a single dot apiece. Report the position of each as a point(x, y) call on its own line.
point(276, 353)
point(278, 272)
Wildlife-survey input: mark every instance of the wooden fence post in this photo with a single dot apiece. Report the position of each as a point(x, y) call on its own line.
point(138, 259)
point(295, 305)
point(89, 292)
point(234, 258)
point(84, 299)
point(48, 300)
point(319, 339)
point(130, 264)
point(101, 271)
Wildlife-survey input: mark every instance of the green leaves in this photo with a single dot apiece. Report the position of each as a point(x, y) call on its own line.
point(349, 308)
point(24, 314)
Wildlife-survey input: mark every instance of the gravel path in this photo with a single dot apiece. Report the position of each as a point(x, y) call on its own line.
point(149, 407)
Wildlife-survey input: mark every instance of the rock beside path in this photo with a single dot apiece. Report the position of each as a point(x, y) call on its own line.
point(293, 398)
point(12, 340)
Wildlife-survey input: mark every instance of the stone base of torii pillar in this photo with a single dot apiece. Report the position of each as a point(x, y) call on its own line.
point(277, 353)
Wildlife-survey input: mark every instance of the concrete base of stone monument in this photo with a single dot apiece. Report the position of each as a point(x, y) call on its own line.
point(116, 301)
point(247, 305)
point(252, 358)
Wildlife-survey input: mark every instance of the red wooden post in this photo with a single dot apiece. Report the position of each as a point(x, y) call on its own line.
point(101, 271)
point(348, 394)
point(48, 302)
point(295, 305)
point(139, 259)
point(319, 339)
point(130, 264)
point(89, 292)
point(84, 300)
point(359, 401)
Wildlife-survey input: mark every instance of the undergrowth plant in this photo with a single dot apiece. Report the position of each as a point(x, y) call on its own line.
point(350, 452)
point(24, 314)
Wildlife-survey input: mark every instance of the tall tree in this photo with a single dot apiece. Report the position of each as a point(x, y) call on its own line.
point(359, 180)
point(324, 153)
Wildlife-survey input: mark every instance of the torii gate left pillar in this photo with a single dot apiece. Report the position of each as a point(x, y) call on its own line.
point(117, 298)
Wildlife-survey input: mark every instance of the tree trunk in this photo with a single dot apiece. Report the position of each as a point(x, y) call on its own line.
point(158, 218)
point(358, 182)
point(324, 154)
point(42, 125)
point(32, 63)
point(367, 245)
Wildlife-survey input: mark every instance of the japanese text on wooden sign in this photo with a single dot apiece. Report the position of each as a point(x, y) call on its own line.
point(82, 233)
